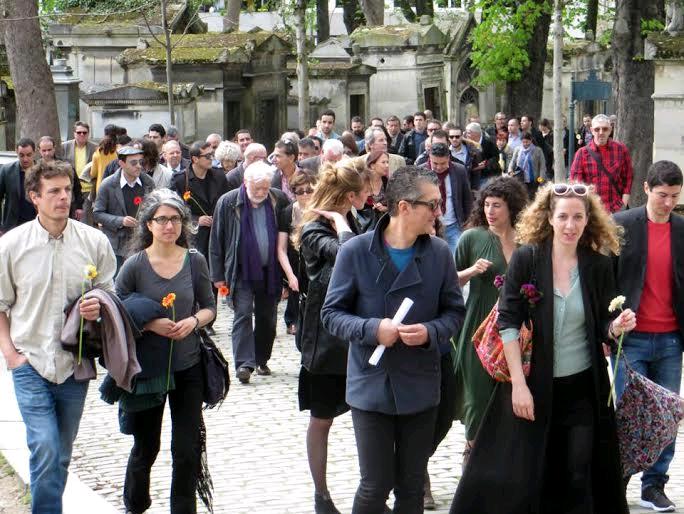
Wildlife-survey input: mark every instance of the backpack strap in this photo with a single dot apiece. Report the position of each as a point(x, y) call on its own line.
point(603, 170)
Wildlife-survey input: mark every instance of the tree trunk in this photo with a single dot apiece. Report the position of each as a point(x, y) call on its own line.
point(302, 66)
point(231, 20)
point(592, 18)
point(525, 95)
point(322, 20)
point(633, 85)
point(406, 10)
point(558, 161)
point(424, 7)
point(33, 86)
point(351, 16)
point(169, 62)
point(374, 10)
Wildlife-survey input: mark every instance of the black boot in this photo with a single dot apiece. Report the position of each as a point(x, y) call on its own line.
point(324, 505)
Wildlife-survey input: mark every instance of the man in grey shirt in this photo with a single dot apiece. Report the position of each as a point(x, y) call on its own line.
point(243, 257)
point(43, 266)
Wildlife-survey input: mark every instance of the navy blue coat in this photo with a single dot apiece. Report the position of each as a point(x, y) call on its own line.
point(366, 287)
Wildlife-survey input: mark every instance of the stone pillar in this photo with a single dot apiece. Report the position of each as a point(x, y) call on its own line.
point(67, 96)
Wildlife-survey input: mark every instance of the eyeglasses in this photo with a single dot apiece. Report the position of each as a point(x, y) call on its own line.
point(601, 129)
point(209, 156)
point(300, 192)
point(433, 205)
point(136, 162)
point(565, 189)
point(455, 136)
point(163, 220)
point(82, 132)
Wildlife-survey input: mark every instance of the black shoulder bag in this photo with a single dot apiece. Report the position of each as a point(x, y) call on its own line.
point(603, 170)
point(216, 372)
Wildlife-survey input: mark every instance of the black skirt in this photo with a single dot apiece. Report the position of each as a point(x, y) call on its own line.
point(323, 395)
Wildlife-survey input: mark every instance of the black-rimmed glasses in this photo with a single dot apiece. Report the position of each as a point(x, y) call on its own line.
point(433, 205)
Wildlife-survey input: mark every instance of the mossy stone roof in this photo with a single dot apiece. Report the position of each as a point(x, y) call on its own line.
point(234, 47)
point(664, 46)
point(409, 34)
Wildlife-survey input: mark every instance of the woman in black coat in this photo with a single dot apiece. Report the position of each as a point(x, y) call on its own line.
point(548, 442)
point(325, 227)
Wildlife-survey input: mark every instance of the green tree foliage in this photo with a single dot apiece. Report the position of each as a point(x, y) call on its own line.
point(500, 41)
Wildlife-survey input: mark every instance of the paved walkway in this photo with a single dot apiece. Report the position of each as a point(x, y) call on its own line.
point(257, 451)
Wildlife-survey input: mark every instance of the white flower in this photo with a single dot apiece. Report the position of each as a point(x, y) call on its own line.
point(616, 303)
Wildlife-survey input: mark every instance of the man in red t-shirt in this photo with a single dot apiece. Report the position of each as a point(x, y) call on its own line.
point(649, 274)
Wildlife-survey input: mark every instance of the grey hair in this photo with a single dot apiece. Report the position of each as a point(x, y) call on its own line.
point(172, 131)
point(213, 136)
point(142, 237)
point(474, 127)
point(332, 147)
point(292, 136)
point(369, 135)
point(404, 184)
point(253, 148)
point(227, 150)
point(165, 146)
point(258, 171)
point(600, 118)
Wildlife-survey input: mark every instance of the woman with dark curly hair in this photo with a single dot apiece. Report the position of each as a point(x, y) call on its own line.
point(483, 253)
point(547, 442)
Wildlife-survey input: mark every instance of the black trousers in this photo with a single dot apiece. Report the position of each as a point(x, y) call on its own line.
point(186, 412)
point(393, 454)
point(568, 480)
point(291, 315)
point(446, 410)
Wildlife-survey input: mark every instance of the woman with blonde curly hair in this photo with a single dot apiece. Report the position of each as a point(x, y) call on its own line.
point(549, 438)
point(326, 225)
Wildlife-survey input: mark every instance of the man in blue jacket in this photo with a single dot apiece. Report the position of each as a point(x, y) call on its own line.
point(394, 404)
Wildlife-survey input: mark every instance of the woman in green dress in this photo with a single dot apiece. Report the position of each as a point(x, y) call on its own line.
point(483, 252)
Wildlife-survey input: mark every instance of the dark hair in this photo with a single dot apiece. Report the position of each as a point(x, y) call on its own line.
point(172, 132)
point(307, 142)
point(26, 141)
point(392, 118)
point(108, 143)
point(327, 112)
point(509, 189)
point(528, 117)
point(356, 119)
point(45, 170)
point(158, 128)
point(347, 139)
point(526, 135)
point(440, 133)
point(150, 154)
point(439, 150)
point(545, 123)
point(242, 131)
point(289, 146)
point(301, 178)
point(377, 118)
point(197, 147)
point(374, 156)
point(664, 173)
point(121, 131)
point(319, 139)
point(123, 139)
point(81, 124)
point(433, 121)
point(418, 113)
point(404, 184)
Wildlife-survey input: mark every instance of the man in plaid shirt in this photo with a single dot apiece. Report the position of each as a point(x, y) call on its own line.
point(614, 190)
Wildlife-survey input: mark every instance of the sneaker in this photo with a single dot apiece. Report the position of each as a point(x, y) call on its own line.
point(653, 497)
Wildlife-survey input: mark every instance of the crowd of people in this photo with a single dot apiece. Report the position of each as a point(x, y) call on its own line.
point(349, 229)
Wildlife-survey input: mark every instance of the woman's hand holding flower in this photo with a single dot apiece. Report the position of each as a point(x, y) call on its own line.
point(182, 329)
point(625, 322)
point(90, 309)
point(161, 326)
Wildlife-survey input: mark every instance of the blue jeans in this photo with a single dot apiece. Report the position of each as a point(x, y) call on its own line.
point(51, 413)
point(658, 357)
point(452, 233)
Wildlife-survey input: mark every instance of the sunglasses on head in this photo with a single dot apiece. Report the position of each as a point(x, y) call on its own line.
point(565, 189)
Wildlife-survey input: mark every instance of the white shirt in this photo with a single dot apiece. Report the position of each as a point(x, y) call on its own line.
point(40, 276)
point(123, 182)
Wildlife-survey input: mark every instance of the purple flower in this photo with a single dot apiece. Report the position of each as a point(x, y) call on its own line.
point(531, 293)
point(499, 281)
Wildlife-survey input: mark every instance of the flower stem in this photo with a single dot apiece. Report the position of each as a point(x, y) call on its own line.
point(198, 205)
point(168, 372)
point(80, 331)
point(617, 360)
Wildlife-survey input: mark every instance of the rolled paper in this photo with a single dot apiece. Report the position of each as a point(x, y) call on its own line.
point(396, 321)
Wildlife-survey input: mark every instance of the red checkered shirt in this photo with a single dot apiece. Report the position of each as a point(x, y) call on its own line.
point(617, 162)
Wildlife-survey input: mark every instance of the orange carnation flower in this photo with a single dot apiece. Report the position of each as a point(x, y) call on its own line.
point(223, 291)
point(187, 196)
point(168, 300)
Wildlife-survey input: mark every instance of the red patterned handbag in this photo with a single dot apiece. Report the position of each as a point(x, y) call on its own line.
point(489, 347)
